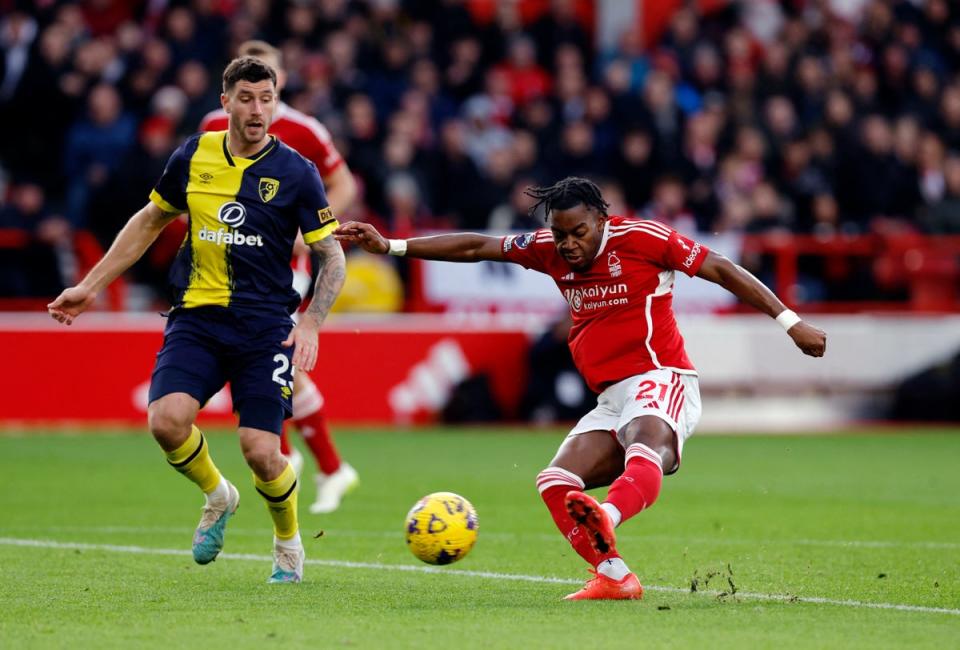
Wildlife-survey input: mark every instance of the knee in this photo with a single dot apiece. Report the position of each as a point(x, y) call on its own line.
point(654, 434)
point(169, 424)
point(263, 457)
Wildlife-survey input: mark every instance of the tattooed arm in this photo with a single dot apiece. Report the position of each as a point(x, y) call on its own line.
point(330, 277)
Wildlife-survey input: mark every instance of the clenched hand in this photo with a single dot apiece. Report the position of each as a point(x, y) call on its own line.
point(812, 340)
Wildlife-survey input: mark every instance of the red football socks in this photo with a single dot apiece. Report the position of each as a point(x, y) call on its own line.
point(317, 436)
point(553, 484)
point(639, 485)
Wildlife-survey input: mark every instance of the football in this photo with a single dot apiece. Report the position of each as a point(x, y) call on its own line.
point(441, 528)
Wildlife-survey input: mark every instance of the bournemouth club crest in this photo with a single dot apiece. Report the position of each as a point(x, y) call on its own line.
point(268, 188)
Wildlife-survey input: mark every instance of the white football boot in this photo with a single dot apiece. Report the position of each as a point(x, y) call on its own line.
point(287, 562)
point(332, 487)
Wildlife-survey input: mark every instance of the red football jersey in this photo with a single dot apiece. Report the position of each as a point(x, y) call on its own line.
point(622, 306)
point(301, 132)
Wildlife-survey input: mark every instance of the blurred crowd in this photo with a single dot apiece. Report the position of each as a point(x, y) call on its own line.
point(812, 116)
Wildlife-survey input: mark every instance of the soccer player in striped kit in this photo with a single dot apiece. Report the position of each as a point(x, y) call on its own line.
point(617, 276)
point(310, 139)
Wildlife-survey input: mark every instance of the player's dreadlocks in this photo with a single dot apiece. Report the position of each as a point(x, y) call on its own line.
point(567, 193)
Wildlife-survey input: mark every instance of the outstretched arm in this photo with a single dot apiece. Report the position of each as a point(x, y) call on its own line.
point(749, 289)
point(457, 247)
point(330, 276)
point(132, 241)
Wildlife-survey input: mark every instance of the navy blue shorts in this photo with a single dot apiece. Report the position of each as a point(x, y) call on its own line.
point(206, 347)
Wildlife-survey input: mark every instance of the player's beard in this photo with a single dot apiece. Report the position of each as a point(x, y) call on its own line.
point(247, 136)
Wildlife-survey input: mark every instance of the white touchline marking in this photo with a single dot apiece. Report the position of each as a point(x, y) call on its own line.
point(143, 550)
point(345, 532)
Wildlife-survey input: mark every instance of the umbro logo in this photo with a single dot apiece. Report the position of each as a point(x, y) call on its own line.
point(206, 177)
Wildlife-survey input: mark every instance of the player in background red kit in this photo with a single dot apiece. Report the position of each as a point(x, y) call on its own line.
point(617, 276)
point(312, 141)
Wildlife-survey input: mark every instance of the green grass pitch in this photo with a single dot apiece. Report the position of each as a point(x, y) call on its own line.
point(840, 541)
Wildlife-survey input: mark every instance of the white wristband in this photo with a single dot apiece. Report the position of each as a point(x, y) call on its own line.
point(787, 319)
point(398, 247)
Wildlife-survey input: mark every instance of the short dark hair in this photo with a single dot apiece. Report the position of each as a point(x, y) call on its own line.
point(567, 193)
point(247, 68)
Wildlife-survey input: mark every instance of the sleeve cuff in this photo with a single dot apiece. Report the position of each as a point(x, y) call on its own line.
point(164, 205)
point(698, 262)
point(320, 233)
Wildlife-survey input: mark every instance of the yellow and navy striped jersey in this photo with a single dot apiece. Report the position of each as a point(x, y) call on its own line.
point(244, 215)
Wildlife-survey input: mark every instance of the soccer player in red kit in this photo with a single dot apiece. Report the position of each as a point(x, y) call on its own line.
point(617, 276)
point(310, 139)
